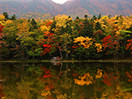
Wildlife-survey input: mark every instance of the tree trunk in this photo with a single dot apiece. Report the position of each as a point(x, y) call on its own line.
point(67, 55)
point(60, 52)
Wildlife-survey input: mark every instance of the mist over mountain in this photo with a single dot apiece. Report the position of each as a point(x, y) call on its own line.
point(94, 7)
point(71, 7)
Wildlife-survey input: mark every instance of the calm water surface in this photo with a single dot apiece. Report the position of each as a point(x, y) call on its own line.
point(66, 81)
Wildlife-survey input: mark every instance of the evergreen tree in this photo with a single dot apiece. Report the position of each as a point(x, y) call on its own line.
point(121, 16)
point(13, 17)
point(77, 17)
point(98, 26)
point(109, 16)
point(69, 17)
point(28, 20)
point(85, 16)
point(34, 24)
point(5, 14)
point(94, 17)
point(53, 25)
point(99, 16)
point(87, 29)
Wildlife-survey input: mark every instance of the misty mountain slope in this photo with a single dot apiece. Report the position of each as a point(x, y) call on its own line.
point(37, 6)
point(11, 6)
point(105, 7)
point(113, 6)
point(81, 7)
point(71, 7)
point(44, 6)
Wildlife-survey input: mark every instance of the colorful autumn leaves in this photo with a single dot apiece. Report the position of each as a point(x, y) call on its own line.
point(1, 28)
point(88, 79)
point(1, 35)
point(87, 42)
point(129, 45)
point(104, 35)
point(101, 80)
point(62, 36)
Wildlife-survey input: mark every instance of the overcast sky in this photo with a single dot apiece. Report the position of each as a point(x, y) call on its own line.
point(15, 0)
point(60, 1)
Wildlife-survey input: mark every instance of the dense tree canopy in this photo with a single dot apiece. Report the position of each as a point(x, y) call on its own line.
point(86, 38)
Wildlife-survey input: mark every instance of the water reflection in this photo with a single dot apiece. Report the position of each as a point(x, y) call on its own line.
point(66, 81)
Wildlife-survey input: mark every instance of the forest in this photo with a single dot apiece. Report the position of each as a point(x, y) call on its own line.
point(97, 37)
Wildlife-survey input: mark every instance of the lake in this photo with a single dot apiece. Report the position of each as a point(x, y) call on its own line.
point(79, 80)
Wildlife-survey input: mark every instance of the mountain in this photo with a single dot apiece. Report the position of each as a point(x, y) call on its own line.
point(80, 8)
point(71, 7)
point(94, 7)
point(37, 6)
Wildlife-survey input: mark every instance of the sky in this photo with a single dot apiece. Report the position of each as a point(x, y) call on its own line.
point(59, 1)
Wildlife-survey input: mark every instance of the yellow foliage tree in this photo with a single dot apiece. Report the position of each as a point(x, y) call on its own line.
point(61, 20)
point(84, 41)
point(115, 24)
point(46, 25)
point(2, 18)
point(23, 29)
point(8, 22)
point(99, 47)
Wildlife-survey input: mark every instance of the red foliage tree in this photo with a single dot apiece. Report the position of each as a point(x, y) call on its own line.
point(47, 46)
point(1, 28)
point(129, 45)
point(1, 35)
point(110, 42)
point(46, 42)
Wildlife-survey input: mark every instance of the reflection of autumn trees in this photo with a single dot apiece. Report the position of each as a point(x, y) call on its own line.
point(1, 86)
point(68, 81)
point(129, 75)
point(19, 84)
point(113, 84)
point(108, 84)
point(84, 80)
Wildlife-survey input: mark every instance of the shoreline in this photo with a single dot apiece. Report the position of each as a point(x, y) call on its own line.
point(64, 61)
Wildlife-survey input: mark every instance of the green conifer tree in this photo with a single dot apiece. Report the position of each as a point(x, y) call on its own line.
point(34, 25)
point(99, 16)
point(98, 26)
point(5, 14)
point(13, 17)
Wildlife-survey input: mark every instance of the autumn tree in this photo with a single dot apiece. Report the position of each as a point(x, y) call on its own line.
point(87, 48)
point(28, 40)
point(129, 46)
point(10, 31)
point(1, 38)
point(2, 18)
point(63, 33)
